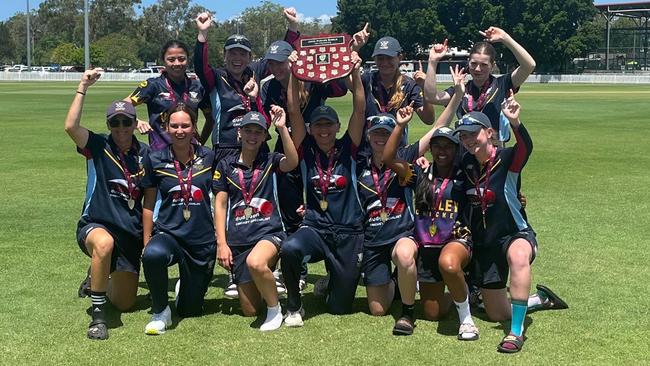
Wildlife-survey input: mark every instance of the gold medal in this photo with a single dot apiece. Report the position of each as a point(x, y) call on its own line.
point(186, 214)
point(131, 203)
point(383, 215)
point(323, 205)
point(433, 229)
point(248, 212)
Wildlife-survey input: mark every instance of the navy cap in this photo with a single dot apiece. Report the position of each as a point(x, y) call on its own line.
point(237, 41)
point(445, 132)
point(252, 118)
point(472, 122)
point(324, 112)
point(382, 120)
point(278, 51)
point(388, 46)
point(120, 107)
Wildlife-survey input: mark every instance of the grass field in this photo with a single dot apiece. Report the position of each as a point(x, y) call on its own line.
point(587, 186)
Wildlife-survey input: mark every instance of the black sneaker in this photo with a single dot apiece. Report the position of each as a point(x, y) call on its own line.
point(84, 287)
point(553, 302)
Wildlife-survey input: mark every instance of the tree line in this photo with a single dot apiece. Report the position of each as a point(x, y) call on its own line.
point(126, 34)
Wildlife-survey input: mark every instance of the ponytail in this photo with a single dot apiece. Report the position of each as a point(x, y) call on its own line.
point(398, 96)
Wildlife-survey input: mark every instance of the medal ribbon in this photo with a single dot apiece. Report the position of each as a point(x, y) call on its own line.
point(324, 177)
point(477, 184)
point(172, 93)
point(382, 192)
point(186, 190)
point(245, 100)
point(481, 97)
point(248, 192)
point(440, 193)
point(127, 175)
point(383, 102)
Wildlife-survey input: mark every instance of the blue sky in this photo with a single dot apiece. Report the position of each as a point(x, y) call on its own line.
point(225, 9)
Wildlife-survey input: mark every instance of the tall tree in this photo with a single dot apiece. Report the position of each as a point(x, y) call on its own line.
point(263, 25)
point(112, 16)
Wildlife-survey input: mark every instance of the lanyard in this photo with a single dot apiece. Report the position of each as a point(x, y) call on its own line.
point(172, 94)
point(483, 195)
point(382, 192)
point(324, 177)
point(481, 97)
point(440, 194)
point(128, 176)
point(186, 189)
point(248, 192)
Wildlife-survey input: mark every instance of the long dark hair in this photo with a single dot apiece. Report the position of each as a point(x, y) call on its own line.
point(424, 199)
point(484, 48)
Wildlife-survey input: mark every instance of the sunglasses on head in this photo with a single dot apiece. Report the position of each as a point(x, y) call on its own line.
point(469, 121)
point(117, 121)
point(382, 121)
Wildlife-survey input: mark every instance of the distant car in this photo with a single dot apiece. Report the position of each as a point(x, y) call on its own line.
point(148, 70)
point(41, 68)
point(18, 68)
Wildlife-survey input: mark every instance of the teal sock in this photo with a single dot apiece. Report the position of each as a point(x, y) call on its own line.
point(519, 308)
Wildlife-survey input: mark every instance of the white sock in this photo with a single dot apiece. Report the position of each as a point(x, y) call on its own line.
point(464, 314)
point(534, 300)
point(273, 318)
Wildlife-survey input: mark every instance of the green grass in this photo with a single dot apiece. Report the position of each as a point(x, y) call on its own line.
point(587, 187)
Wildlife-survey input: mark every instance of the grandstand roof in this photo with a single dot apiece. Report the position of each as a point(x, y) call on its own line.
point(633, 9)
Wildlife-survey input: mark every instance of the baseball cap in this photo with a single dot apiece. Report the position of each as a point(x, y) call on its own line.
point(253, 118)
point(120, 107)
point(445, 132)
point(382, 120)
point(388, 46)
point(237, 41)
point(472, 122)
point(324, 112)
point(278, 51)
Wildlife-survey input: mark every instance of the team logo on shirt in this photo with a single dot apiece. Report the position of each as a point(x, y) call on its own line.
point(337, 183)
point(262, 210)
point(144, 84)
point(119, 188)
point(165, 95)
point(395, 209)
point(216, 175)
point(474, 199)
point(177, 196)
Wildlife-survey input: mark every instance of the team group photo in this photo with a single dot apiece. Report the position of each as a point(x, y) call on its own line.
point(395, 182)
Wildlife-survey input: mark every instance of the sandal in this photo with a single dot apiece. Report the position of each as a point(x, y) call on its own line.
point(553, 302)
point(97, 330)
point(511, 344)
point(403, 326)
point(468, 329)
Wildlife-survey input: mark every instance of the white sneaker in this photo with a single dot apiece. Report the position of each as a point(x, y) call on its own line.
point(159, 322)
point(294, 318)
point(302, 285)
point(273, 319)
point(230, 291)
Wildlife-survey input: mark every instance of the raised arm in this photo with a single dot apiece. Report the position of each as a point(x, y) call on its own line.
point(78, 133)
point(360, 38)
point(431, 92)
point(524, 146)
point(449, 112)
point(358, 117)
point(290, 160)
point(389, 157)
point(426, 113)
point(201, 66)
point(525, 60)
point(298, 130)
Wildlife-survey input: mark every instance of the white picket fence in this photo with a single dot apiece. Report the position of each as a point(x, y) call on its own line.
point(119, 76)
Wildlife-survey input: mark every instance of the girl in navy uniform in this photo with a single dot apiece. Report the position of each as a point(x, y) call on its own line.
point(387, 89)
point(441, 245)
point(485, 92)
point(183, 233)
point(171, 87)
point(247, 217)
point(333, 225)
point(504, 240)
point(232, 89)
point(110, 227)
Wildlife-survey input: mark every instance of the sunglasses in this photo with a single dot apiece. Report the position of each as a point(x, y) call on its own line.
point(116, 122)
point(381, 121)
point(469, 121)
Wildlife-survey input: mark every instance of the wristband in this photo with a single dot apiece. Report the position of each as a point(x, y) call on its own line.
point(82, 93)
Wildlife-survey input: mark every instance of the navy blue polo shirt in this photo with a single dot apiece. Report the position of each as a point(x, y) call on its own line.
point(378, 97)
point(495, 94)
point(274, 94)
point(161, 174)
point(265, 211)
point(107, 190)
point(157, 95)
point(504, 215)
point(343, 212)
point(448, 212)
point(399, 201)
point(227, 92)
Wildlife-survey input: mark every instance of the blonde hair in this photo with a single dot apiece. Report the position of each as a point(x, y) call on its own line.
point(398, 96)
point(303, 94)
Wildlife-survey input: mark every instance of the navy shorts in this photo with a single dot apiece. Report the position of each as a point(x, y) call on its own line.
point(376, 264)
point(127, 248)
point(490, 262)
point(240, 272)
point(427, 261)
